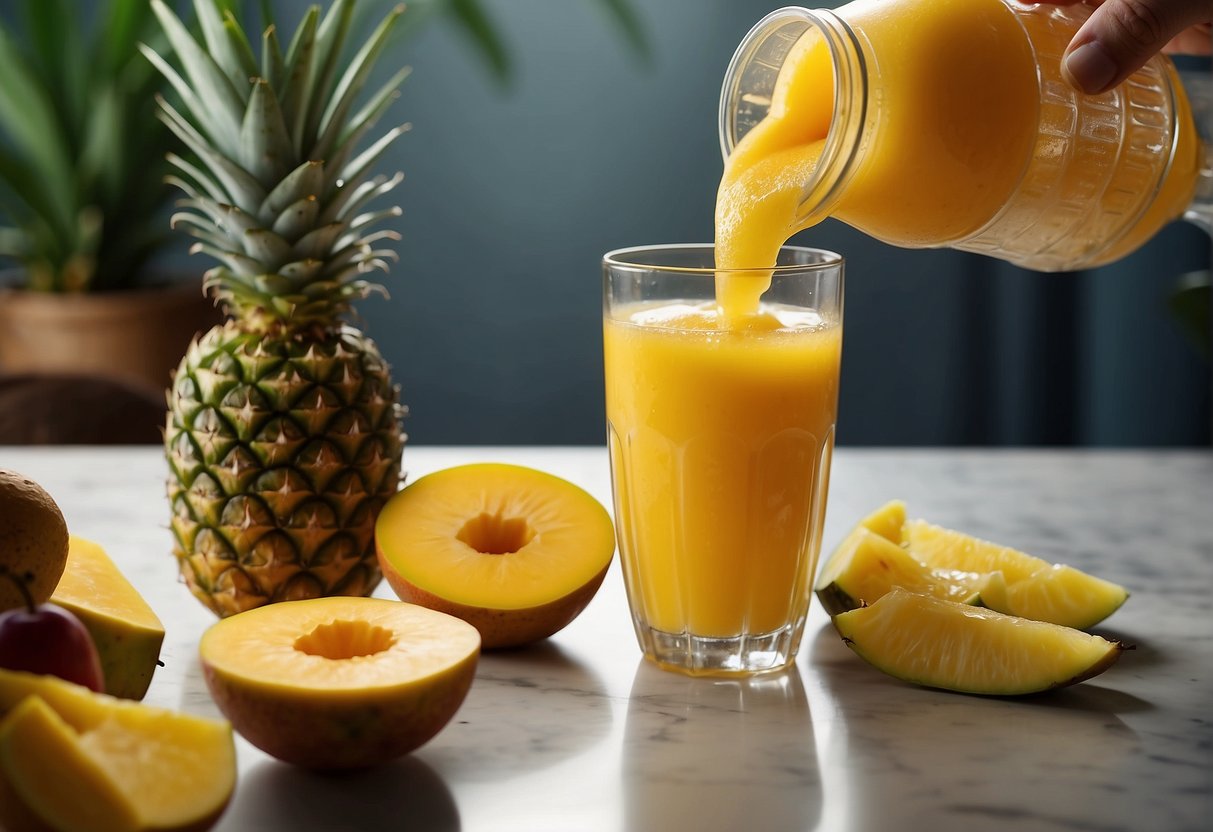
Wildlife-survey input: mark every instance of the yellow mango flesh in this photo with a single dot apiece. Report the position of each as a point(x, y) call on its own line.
point(91, 762)
point(498, 536)
point(127, 632)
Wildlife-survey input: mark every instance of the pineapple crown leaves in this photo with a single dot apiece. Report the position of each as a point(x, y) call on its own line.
point(279, 192)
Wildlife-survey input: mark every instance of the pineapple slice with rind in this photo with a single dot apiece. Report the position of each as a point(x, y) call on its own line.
point(1063, 595)
point(866, 565)
point(1035, 588)
point(945, 644)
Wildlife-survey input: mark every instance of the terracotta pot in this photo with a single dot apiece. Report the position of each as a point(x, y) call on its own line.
point(136, 337)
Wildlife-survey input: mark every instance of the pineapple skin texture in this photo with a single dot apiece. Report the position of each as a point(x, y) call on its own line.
point(282, 450)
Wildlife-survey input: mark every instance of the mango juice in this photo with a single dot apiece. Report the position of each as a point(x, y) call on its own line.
point(720, 438)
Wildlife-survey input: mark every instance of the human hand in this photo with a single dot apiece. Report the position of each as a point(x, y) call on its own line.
point(1121, 35)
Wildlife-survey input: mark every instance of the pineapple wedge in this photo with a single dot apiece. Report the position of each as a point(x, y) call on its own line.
point(1035, 588)
point(945, 644)
point(866, 565)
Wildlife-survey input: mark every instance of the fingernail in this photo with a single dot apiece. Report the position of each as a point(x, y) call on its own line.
point(1090, 68)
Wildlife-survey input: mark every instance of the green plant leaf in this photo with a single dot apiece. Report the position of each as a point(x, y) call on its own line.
point(226, 46)
point(366, 118)
point(333, 121)
point(1191, 303)
point(241, 188)
point(626, 17)
point(300, 55)
point(58, 52)
point(476, 24)
point(128, 22)
point(225, 105)
point(27, 115)
point(273, 67)
point(27, 199)
point(265, 142)
point(330, 39)
point(100, 168)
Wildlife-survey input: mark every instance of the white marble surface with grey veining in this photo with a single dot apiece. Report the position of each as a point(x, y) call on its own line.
point(579, 733)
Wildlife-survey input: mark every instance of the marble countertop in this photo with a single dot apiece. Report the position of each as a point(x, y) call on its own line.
point(579, 733)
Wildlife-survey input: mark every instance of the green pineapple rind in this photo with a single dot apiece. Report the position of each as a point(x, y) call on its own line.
point(282, 453)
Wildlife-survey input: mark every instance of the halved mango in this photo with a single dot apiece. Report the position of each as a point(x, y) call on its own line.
point(866, 565)
point(128, 634)
point(85, 762)
point(340, 682)
point(944, 644)
point(1035, 588)
point(515, 552)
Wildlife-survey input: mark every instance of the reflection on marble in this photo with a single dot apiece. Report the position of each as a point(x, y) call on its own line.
point(580, 735)
point(730, 753)
point(529, 709)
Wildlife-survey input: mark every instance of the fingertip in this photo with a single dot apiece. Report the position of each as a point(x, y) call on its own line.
point(1090, 68)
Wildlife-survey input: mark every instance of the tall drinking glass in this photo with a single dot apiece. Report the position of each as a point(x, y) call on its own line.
point(720, 434)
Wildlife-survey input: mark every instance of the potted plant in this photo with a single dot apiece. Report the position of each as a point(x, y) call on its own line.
point(82, 199)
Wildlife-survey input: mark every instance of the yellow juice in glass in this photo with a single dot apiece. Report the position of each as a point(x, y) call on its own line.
point(720, 439)
point(720, 429)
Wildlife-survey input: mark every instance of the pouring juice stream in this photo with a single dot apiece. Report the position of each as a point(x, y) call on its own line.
point(945, 123)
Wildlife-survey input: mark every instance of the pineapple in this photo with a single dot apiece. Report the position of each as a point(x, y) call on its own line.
point(284, 427)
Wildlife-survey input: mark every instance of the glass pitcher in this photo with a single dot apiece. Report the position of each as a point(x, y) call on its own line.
point(952, 126)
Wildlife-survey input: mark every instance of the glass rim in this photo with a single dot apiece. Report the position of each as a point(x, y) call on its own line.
point(615, 259)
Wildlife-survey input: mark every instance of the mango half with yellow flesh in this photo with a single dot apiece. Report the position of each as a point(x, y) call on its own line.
point(342, 682)
point(76, 761)
point(945, 644)
point(515, 552)
point(954, 566)
point(126, 631)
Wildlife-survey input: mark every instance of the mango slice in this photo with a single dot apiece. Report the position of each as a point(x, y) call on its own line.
point(128, 634)
point(85, 762)
point(866, 565)
point(1035, 588)
point(945, 644)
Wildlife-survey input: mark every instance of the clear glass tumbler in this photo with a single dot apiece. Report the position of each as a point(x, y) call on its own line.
point(720, 435)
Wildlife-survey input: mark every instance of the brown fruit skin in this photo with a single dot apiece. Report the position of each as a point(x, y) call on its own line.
point(33, 538)
point(355, 730)
point(500, 628)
